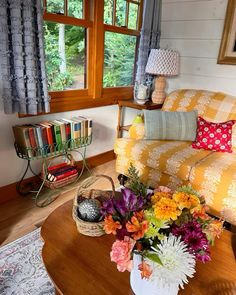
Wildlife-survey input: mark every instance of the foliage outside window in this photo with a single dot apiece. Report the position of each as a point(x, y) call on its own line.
point(120, 48)
point(77, 34)
point(65, 48)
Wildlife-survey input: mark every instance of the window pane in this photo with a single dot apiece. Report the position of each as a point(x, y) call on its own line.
point(108, 11)
point(133, 16)
point(65, 48)
point(55, 6)
point(119, 59)
point(120, 12)
point(75, 8)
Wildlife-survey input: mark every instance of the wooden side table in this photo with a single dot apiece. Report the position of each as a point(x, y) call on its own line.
point(133, 105)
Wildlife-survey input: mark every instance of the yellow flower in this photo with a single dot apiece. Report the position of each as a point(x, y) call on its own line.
point(158, 195)
point(166, 209)
point(186, 200)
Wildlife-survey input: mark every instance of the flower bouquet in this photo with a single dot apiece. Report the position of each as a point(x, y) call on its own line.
point(159, 235)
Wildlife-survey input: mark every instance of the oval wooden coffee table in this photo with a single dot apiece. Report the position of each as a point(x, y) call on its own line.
point(80, 265)
point(77, 264)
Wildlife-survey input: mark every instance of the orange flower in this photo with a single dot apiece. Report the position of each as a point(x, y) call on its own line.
point(139, 215)
point(166, 209)
point(111, 226)
point(137, 228)
point(214, 229)
point(200, 212)
point(186, 200)
point(145, 270)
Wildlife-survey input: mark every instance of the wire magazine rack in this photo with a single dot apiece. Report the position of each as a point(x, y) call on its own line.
point(44, 196)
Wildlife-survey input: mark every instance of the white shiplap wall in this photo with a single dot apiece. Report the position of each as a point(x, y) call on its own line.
point(194, 28)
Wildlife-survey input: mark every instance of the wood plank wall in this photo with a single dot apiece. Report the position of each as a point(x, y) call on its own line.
point(194, 28)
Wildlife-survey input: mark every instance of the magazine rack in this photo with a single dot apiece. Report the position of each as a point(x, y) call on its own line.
point(44, 196)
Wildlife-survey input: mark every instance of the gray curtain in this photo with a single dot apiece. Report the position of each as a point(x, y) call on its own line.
point(22, 62)
point(150, 36)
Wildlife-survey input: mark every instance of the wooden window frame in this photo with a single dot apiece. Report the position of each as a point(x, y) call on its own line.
point(94, 95)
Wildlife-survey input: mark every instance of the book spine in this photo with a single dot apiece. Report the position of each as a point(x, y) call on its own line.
point(66, 174)
point(76, 127)
point(27, 143)
point(49, 135)
point(39, 136)
point(53, 176)
point(36, 137)
point(58, 136)
point(32, 138)
point(63, 132)
point(45, 140)
point(86, 128)
point(51, 168)
point(53, 134)
point(90, 126)
point(68, 132)
point(63, 170)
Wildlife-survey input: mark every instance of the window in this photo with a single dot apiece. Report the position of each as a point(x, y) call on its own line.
point(65, 56)
point(90, 48)
point(121, 38)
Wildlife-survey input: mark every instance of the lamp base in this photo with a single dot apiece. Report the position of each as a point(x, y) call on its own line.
point(159, 95)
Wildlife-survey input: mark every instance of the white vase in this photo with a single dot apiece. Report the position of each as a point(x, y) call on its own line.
point(148, 286)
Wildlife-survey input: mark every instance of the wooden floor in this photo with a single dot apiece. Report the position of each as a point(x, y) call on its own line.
point(20, 216)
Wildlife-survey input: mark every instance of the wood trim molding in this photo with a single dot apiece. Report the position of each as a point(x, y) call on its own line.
point(8, 192)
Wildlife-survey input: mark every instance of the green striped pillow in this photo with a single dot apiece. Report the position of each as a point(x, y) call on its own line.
point(170, 125)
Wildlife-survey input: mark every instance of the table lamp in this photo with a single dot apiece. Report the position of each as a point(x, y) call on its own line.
point(162, 62)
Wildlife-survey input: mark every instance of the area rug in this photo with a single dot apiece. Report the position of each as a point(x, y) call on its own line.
point(21, 268)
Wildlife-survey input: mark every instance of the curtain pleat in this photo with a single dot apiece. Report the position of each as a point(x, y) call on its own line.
point(150, 35)
point(22, 57)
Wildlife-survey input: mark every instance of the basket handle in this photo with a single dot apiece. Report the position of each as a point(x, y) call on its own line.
point(91, 180)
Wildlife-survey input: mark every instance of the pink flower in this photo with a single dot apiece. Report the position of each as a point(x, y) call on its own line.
point(121, 253)
point(163, 189)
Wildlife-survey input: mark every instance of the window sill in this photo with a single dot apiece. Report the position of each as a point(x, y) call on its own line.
point(110, 96)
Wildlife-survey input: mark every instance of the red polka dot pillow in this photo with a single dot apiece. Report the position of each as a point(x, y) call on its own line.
point(214, 136)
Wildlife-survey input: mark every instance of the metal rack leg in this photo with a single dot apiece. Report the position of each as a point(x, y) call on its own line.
point(19, 185)
point(84, 162)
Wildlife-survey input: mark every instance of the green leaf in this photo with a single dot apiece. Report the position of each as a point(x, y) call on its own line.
point(154, 257)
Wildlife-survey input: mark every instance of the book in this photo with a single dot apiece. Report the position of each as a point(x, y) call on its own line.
point(48, 129)
point(58, 139)
point(55, 167)
point(32, 138)
point(71, 122)
point(63, 129)
point(22, 139)
point(61, 170)
point(39, 135)
point(77, 128)
point(90, 126)
point(84, 126)
point(68, 129)
point(55, 175)
point(66, 174)
point(46, 147)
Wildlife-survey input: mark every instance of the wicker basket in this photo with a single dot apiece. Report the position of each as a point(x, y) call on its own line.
point(61, 182)
point(92, 229)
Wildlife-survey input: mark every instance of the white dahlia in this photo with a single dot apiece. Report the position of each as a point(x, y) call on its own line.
point(177, 262)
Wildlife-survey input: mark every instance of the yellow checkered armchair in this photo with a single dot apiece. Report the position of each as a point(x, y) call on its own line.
point(174, 163)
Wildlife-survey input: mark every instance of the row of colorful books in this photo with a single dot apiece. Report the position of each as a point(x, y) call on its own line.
point(50, 136)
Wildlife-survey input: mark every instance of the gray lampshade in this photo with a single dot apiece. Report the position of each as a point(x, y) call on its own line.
point(163, 62)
